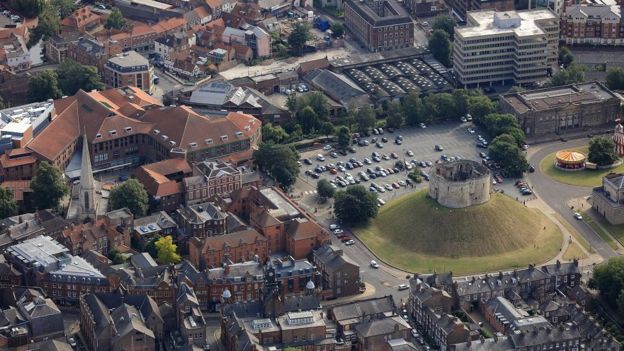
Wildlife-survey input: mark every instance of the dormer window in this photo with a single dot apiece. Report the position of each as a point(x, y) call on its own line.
point(172, 143)
point(98, 135)
point(112, 132)
point(128, 129)
point(239, 134)
point(164, 137)
point(156, 131)
point(208, 141)
point(193, 144)
point(224, 138)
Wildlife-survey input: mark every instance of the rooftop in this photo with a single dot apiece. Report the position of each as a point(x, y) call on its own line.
point(519, 23)
point(129, 59)
point(381, 12)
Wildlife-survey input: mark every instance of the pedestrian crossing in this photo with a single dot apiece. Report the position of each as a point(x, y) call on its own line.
point(309, 192)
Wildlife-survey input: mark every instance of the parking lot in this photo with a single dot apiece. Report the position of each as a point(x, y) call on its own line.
point(453, 137)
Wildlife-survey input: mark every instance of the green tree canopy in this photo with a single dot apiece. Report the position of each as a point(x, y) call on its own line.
point(573, 74)
point(344, 136)
point(48, 25)
point(116, 257)
point(355, 205)
point(413, 109)
point(64, 7)
point(608, 278)
point(43, 86)
point(440, 106)
point(565, 56)
point(317, 101)
point(28, 8)
point(602, 151)
point(8, 207)
point(364, 118)
point(325, 189)
point(73, 76)
point(615, 78)
point(130, 194)
point(327, 129)
point(498, 123)
point(167, 250)
point(337, 29)
point(440, 47)
point(480, 106)
point(445, 23)
point(115, 20)
point(308, 119)
point(273, 134)
point(279, 161)
point(505, 151)
point(298, 37)
point(395, 117)
point(47, 187)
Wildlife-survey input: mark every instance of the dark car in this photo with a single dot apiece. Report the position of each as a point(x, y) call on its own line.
point(384, 140)
point(342, 152)
point(531, 169)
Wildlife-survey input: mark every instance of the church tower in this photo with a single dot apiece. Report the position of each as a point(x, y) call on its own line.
point(86, 194)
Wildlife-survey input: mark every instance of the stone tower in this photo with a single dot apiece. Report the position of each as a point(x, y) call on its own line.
point(86, 191)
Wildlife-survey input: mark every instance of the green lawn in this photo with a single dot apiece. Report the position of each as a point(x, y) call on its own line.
point(587, 177)
point(587, 218)
point(416, 234)
point(573, 251)
point(581, 239)
point(616, 231)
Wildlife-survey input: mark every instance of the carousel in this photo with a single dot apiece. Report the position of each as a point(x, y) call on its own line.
point(570, 160)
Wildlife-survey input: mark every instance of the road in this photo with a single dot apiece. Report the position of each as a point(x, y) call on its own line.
point(558, 195)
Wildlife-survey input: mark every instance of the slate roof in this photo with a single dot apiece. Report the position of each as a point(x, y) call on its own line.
point(335, 86)
point(385, 326)
point(393, 13)
point(332, 257)
point(358, 309)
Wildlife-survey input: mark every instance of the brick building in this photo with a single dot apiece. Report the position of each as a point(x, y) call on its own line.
point(202, 220)
point(210, 179)
point(100, 236)
point(340, 276)
point(592, 24)
point(129, 69)
point(241, 246)
point(163, 181)
point(561, 110)
point(379, 25)
point(126, 127)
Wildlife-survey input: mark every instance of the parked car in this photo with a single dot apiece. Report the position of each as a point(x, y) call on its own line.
point(320, 157)
point(350, 242)
point(409, 153)
point(578, 216)
point(374, 264)
point(403, 287)
point(438, 148)
point(423, 126)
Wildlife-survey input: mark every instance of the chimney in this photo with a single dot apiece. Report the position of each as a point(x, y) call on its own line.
point(558, 264)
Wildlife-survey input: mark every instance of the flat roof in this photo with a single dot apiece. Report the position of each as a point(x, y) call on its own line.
point(482, 23)
point(152, 3)
point(551, 98)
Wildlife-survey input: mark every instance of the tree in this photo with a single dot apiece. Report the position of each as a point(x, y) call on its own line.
point(8, 207)
point(130, 194)
point(445, 23)
point(150, 247)
point(497, 123)
point(64, 7)
point(480, 106)
point(440, 47)
point(279, 161)
point(344, 136)
point(413, 109)
point(308, 119)
point(355, 205)
point(440, 106)
point(364, 118)
point(48, 24)
point(565, 56)
point(395, 117)
point(292, 103)
point(615, 78)
point(73, 76)
point(115, 256)
point(327, 129)
point(47, 187)
point(602, 151)
point(608, 278)
point(43, 86)
point(28, 8)
point(337, 29)
point(298, 37)
point(273, 134)
point(167, 250)
point(325, 189)
point(573, 74)
point(505, 151)
point(317, 101)
point(460, 101)
point(115, 20)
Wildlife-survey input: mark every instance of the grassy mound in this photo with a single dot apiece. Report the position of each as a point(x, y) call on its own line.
point(415, 233)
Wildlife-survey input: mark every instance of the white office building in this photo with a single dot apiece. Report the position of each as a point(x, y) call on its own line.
point(510, 47)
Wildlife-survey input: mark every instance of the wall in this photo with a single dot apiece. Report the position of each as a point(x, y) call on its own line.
point(459, 194)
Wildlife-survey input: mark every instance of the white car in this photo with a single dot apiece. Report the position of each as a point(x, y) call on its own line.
point(334, 226)
point(578, 216)
point(350, 242)
point(403, 287)
point(327, 147)
point(338, 231)
point(320, 157)
point(374, 264)
point(415, 333)
point(409, 153)
point(423, 126)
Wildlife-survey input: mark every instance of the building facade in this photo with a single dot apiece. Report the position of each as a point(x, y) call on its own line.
point(562, 110)
point(592, 24)
point(129, 69)
point(379, 25)
point(608, 199)
point(519, 47)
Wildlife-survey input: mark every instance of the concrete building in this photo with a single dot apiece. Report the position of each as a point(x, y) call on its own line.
point(129, 68)
point(461, 7)
point(379, 25)
point(560, 110)
point(608, 199)
point(460, 184)
point(19, 124)
point(511, 47)
point(592, 24)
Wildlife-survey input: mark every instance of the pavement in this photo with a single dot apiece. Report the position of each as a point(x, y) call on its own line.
point(557, 196)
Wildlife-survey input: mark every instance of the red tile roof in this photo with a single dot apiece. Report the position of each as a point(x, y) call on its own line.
point(18, 187)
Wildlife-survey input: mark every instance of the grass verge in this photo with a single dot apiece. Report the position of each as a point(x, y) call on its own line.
point(581, 240)
point(587, 178)
point(598, 229)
